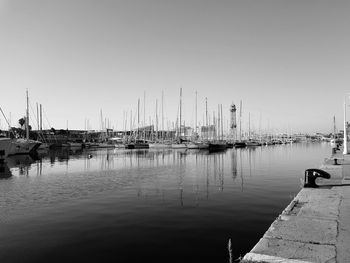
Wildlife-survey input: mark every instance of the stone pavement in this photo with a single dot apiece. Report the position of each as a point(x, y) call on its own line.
point(315, 227)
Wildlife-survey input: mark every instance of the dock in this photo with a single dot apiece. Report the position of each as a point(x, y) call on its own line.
point(315, 226)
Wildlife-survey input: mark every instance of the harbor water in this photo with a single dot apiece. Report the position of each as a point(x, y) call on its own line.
point(116, 205)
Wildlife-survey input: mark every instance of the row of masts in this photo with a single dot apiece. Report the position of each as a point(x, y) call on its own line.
point(217, 121)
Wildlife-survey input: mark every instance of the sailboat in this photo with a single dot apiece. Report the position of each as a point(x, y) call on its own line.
point(251, 142)
point(138, 143)
point(219, 144)
point(197, 144)
point(179, 142)
point(45, 145)
point(24, 146)
point(240, 143)
point(5, 143)
point(160, 144)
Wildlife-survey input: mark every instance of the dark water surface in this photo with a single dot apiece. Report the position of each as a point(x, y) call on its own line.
point(146, 205)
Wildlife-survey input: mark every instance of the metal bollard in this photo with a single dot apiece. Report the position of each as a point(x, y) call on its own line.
point(312, 174)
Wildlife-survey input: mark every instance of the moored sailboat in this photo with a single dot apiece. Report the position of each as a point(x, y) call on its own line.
point(240, 143)
point(179, 143)
point(138, 144)
point(24, 146)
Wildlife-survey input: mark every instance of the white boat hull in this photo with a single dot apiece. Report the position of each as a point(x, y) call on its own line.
point(159, 145)
point(75, 145)
point(193, 146)
point(23, 146)
point(179, 146)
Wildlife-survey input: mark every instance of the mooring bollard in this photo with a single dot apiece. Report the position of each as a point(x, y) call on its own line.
point(312, 174)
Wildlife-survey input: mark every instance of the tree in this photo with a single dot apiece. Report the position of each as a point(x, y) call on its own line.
point(22, 121)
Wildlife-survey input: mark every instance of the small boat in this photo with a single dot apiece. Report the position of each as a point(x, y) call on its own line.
point(193, 145)
point(44, 146)
point(23, 146)
point(229, 144)
point(252, 143)
point(137, 145)
point(179, 145)
point(105, 145)
point(240, 144)
point(119, 145)
point(217, 146)
point(75, 145)
point(198, 145)
point(157, 145)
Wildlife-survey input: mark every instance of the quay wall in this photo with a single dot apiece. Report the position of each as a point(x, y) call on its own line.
point(313, 227)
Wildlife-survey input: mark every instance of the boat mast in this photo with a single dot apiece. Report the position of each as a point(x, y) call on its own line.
point(27, 117)
point(249, 128)
point(144, 115)
point(157, 120)
point(41, 118)
point(240, 121)
point(138, 118)
point(206, 116)
point(219, 118)
point(131, 133)
point(196, 117)
point(37, 115)
point(222, 124)
point(180, 109)
point(162, 115)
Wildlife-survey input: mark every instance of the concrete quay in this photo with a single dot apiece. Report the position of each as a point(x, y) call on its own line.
point(315, 226)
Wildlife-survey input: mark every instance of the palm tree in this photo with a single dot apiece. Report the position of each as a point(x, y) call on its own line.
point(21, 121)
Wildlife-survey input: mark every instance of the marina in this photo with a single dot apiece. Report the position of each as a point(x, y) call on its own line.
point(113, 202)
point(174, 131)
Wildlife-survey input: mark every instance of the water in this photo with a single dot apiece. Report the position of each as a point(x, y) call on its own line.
point(145, 205)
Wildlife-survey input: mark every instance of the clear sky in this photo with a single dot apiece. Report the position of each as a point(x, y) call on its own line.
point(288, 61)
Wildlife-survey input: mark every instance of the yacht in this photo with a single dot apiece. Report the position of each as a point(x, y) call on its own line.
point(179, 145)
point(138, 144)
point(198, 145)
point(23, 146)
point(217, 146)
point(252, 143)
point(160, 145)
point(240, 144)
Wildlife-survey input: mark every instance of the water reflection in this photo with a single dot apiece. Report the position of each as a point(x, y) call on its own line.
point(5, 172)
point(178, 197)
point(194, 173)
point(184, 164)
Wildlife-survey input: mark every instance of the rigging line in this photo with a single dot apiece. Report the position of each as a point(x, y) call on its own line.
point(3, 114)
point(49, 124)
point(47, 118)
point(37, 122)
point(33, 113)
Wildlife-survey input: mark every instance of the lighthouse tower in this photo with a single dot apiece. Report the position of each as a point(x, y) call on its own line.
point(233, 125)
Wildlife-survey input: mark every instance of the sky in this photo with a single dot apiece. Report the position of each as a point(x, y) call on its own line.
point(287, 61)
